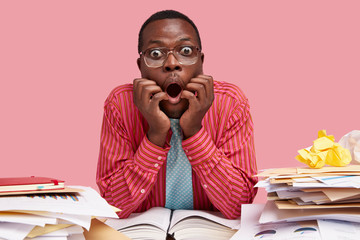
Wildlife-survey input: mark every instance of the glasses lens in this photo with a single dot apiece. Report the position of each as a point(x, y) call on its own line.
point(154, 57)
point(186, 55)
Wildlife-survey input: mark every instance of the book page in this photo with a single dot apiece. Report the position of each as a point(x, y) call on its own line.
point(217, 217)
point(199, 228)
point(157, 216)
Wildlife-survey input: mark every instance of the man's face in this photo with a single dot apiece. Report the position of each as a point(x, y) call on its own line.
point(170, 33)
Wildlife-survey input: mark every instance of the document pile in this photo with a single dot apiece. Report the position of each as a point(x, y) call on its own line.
point(297, 194)
point(321, 229)
point(56, 214)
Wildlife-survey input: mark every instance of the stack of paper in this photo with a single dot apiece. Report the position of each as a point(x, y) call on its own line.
point(251, 229)
point(302, 230)
point(51, 215)
point(296, 194)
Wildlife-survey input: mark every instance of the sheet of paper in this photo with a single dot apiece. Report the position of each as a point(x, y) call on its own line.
point(335, 230)
point(304, 180)
point(38, 231)
point(88, 202)
point(277, 171)
point(280, 187)
point(348, 180)
point(348, 168)
point(16, 217)
point(15, 231)
point(306, 170)
point(279, 231)
point(76, 237)
point(250, 214)
point(48, 238)
point(341, 193)
point(65, 232)
point(251, 229)
point(281, 180)
point(298, 201)
point(272, 214)
point(100, 230)
point(323, 185)
point(314, 196)
point(296, 194)
point(288, 205)
point(82, 220)
point(65, 190)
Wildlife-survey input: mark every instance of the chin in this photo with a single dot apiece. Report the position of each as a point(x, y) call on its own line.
point(174, 111)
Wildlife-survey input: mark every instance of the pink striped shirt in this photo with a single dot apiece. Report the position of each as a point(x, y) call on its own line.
point(131, 170)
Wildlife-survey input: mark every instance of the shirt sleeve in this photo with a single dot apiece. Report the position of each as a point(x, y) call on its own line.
point(226, 168)
point(124, 176)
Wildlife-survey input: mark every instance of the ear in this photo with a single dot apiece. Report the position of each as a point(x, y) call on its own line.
point(138, 61)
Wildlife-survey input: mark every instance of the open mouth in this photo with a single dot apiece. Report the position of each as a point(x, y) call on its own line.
point(174, 92)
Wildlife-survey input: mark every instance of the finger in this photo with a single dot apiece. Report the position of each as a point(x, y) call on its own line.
point(139, 86)
point(193, 100)
point(147, 93)
point(198, 89)
point(157, 97)
point(204, 76)
point(208, 83)
point(139, 83)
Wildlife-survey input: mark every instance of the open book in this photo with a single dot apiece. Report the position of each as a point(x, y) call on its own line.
point(161, 223)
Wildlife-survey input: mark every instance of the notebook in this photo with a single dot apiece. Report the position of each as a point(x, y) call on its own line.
point(20, 184)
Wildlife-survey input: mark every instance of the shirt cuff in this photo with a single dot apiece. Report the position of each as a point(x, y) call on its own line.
point(199, 148)
point(149, 156)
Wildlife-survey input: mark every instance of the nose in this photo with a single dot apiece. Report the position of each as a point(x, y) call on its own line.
point(171, 63)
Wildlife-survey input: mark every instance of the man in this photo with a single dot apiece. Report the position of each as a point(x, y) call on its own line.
point(139, 150)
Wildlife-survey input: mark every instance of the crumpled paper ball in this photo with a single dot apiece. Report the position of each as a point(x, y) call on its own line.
point(351, 141)
point(324, 151)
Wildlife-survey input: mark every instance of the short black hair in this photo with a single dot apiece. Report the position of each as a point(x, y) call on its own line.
point(166, 14)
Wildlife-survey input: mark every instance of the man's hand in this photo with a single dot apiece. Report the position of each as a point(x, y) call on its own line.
point(200, 94)
point(147, 96)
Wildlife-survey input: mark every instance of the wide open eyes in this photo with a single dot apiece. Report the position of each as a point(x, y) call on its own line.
point(186, 50)
point(156, 54)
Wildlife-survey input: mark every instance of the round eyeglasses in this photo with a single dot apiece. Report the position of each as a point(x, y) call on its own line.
point(156, 57)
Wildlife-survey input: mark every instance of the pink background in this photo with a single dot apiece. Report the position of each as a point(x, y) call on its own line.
point(297, 61)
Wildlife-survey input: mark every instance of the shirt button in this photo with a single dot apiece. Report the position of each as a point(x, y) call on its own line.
point(205, 186)
point(190, 158)
point(159, 157)
point(142, 190)
point(186, 151)
point(156, 165)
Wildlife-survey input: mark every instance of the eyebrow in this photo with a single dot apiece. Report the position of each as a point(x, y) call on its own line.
point(161, 42)
point(155, 41)
point(184, 39)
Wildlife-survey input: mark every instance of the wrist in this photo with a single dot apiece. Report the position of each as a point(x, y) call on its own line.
point(191, 131)
point(156, 137)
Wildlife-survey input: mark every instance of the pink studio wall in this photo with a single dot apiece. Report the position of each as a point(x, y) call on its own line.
point(297, 61)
